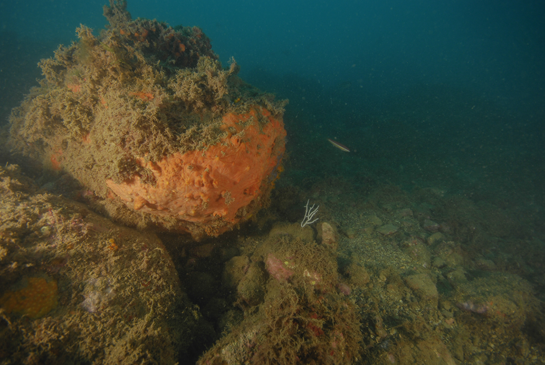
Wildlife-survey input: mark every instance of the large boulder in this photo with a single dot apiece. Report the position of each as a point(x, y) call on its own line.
point(76, 288)
point(151, 125)
point(294, 310)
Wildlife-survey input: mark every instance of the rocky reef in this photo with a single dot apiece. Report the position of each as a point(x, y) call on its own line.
point(76, 288)
point(145, 118)
point(295, 308)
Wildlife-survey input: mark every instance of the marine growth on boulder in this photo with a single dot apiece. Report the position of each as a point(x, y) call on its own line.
point(152, 126)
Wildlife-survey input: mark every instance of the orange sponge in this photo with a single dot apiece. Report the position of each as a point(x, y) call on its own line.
point(212, 189)
point(34, 300)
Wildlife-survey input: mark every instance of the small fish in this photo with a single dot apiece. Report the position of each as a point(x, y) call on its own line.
point(338, 145)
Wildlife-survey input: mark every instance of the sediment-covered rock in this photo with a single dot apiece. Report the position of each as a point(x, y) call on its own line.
point(76, 288)
point(296, 310)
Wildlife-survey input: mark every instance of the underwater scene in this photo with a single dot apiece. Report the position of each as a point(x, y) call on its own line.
point(288, 182)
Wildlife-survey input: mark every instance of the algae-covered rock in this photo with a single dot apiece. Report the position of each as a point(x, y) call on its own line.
point(434, 238)
point(424, 288)
point(145, 117)
point(299, 315)
point(357, 275)
point(234, 271)
point(387, 229)
point(251, 288)
point(327, 235)
point(76, 288)
point(293, 230)
point(504, 300)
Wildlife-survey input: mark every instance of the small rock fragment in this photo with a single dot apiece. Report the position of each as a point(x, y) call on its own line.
point(434, 238)
point(357, 274)
point(438, 262)
point(344, 288)
point(404, 212)
point(387, 229)
point(234, 271)
point(485, 264)
point(457, 277)
point(424, 288)
point(351, 233)
point(202, 251)
point(251, 287)
point(329, 236)
point(430, 226)
point(375, 221)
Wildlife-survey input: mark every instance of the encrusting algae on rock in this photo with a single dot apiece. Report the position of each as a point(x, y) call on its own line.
point(145, 117)
point(294, 311)
point(67, 296)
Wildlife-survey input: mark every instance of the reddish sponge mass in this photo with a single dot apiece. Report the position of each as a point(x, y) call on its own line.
point(211, 188)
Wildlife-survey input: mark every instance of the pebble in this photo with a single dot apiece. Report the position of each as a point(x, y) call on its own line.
point(424, 288)
point(434, 238)
point(430, 226)
point(404, 212)
point(387, 229)
point(375, 221)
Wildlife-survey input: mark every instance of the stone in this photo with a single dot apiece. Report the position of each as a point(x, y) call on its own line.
point(424, 288)
point(374, 220)
point(434, 238)
point(419, 253)
point(351, 233)
point(430, 226)
point(357, 274)
point(387, 229)
point(438, 262)
point(292, 230)
point(89, 291)
point(329, 236)
point(202, 251)
point(404, 212)
point(252, 286)
point(485, 264)
point(234, 271)
point(457, 277)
